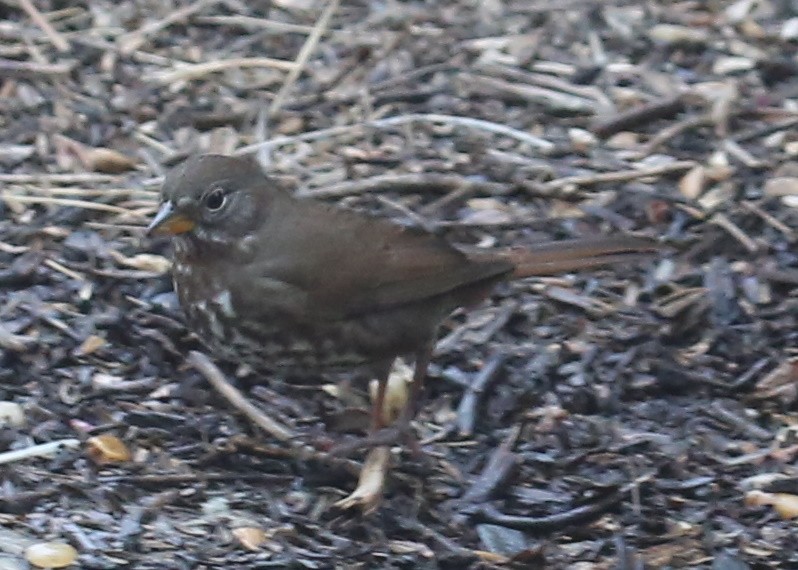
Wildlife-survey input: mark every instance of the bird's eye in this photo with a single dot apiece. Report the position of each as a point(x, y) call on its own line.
point(215, 199)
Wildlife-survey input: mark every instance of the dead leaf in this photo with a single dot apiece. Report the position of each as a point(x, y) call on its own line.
point(107, 448)
point(106, 160)
point(51, 554)
point(92, 344)
point(144, 262)
point(785, 504)
point(250, 537)
point(692, 184)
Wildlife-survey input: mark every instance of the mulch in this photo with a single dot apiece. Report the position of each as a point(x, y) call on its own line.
point(641, 416)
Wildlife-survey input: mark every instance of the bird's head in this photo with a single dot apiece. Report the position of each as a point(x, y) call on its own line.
point(213, 198)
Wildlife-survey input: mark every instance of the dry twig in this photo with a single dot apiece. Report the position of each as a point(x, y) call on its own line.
point(131, 41)
point(304, 54)
point(619, 176)
point(637, 116)
point(187, 71)
point(674, 131)
point(403, 183)
point(42, 450)
point(256, 23)
point(31, 69)
point(55, 38)
point(467, 122)
point(721, 220)
point(211, 373)
point(10, 197)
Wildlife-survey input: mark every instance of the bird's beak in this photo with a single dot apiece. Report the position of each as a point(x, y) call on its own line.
point(167, 222)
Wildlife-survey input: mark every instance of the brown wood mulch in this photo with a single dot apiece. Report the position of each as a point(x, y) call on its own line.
point(638, 417)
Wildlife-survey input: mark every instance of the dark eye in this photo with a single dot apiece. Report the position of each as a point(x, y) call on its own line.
point(215, 199)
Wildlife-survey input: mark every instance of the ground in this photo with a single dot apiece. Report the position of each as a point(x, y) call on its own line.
point(636, 416)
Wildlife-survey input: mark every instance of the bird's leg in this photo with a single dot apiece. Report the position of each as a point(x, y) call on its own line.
point(382, 432)
point(378, 405)
point(368, 492)
point(410, 409)
point(384, 410)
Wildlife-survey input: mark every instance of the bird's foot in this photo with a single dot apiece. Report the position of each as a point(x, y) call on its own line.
point(368, 493)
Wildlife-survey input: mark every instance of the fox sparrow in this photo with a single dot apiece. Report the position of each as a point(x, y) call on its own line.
point(274, 281)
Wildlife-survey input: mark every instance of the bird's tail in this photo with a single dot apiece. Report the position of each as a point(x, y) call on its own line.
point(551, 258)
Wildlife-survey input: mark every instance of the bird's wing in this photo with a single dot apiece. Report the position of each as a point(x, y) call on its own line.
point(320, 262)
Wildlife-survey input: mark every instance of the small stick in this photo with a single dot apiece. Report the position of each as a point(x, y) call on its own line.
point(30, 69)
point(211, 373)
point(770, 220)
point(413, 75)
point(63, 178)
point(73, 191)
point(304, 54)
point(131, 41)
point(734, 230)
point(41, 450)
point(116, 227)
point(496, 472)
point(673, 131)
point(6, 247)
point(719, 412)
point(580, 515)
point(13, 342)
point(546, 80)
point(69, 202)
point(151, 142)
point(592, 306)
point(639, 116)
point(550, 98)
point(55, 38)
point(466, 411)
point(185, 478)
point(766, 130)
point(250, 22)
point(194, 71)
point(621, 176)
point(409, 213)
point(54, 265)
point(782, 454)
point(734, 149)
point(468, 122)
point(751, 375)
point(402, 182)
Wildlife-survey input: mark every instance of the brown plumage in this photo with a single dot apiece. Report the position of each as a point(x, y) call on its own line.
point(275, 281)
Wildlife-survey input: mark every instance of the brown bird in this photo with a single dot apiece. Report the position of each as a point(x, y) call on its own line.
point(275, 281)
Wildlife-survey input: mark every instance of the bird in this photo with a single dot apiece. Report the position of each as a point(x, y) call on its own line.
point(279, 282)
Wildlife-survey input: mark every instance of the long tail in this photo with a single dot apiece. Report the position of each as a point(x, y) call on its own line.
point(551, 258)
